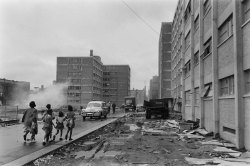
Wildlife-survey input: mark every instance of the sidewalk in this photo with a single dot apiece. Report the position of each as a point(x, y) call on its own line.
point(13, 149)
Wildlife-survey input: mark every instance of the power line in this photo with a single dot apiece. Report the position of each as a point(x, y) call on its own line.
point(145, 22)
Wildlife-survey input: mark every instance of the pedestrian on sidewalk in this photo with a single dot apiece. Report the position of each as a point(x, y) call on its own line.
point(70, 119)
point(51, 113)
point(30, 121)
point(108, 106)
point(59, 125)
point(113, 107)
point(47, 126)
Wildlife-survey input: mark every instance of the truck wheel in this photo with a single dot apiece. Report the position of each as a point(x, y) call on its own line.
point(148, 115)
point(83, 118)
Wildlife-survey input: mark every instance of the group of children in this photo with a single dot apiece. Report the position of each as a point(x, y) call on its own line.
point(30, 123)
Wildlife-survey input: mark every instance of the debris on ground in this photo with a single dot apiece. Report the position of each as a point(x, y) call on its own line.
point(134, 140)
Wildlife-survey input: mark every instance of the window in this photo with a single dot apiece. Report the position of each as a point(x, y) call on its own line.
point(196, 23)
point(187, 12)
point(197, 96)
point(75, 67)
point(187, 98)
point(227, 86)
point(74, 74)
point(62, 61)
point(246, 10)
point(75, 60)
point(207, 91)
point(76, 80)
point(207, 47)
point(247, 78)
point(225, 30)
point(187, 69)
point(196, 58)
point(187, 40)
point(206, 6)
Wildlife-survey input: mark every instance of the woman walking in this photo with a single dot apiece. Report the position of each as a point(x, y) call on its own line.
point(70, 118)
point(30, 121)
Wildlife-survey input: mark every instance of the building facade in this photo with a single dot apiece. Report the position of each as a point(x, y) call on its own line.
point(211, 65)
point(154, 88)
point(164, 71)
point(13, 92)
point(116, 83)
point(84, 76)
point(140, 95)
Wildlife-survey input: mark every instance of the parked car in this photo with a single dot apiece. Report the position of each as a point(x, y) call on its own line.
point(95, 109)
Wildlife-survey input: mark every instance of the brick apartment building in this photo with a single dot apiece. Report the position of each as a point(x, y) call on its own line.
point(164, 71)
point(90, 80)
point(116, 83)
point(85, 78)
point(211, 65)
point(154, 88)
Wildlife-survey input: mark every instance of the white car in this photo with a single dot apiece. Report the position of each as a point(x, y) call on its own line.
point(95, 109)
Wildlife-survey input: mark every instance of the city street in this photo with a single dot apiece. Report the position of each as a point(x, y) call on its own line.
point(13, 146)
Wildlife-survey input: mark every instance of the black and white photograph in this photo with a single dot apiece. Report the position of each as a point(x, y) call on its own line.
point(124, 82)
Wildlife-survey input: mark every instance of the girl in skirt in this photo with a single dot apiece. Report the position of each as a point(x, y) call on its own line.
point(59, 125)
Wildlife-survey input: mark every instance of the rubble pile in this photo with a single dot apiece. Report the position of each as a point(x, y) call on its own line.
point(134, 140)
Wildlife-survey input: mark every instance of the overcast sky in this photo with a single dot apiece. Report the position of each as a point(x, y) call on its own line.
point(35, 32)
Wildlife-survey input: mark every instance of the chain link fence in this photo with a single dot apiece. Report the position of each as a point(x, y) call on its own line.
point(9, 113)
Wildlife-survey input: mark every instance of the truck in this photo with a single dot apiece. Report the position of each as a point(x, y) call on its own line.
point(130, 103)
point(157, 107)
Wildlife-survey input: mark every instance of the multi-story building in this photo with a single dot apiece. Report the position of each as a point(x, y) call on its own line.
point(154, 88)
point(164, 71)
point(140, 95)
point(211, 65)
point(84, 76)
point(116, 83)
point(13, 92)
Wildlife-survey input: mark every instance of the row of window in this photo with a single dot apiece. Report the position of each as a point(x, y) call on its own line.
point(226, 88)
point(72, 94)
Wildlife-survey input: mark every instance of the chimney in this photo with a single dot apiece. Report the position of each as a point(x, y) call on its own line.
point(91, 52)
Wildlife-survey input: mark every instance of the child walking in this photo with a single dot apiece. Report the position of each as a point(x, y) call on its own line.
point(47, 127)
point(59, 125)
point(70, 117)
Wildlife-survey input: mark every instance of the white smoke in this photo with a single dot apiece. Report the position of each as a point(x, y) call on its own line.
point(54, 95)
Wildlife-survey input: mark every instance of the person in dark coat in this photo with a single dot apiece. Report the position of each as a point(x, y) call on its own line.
point(113, 107)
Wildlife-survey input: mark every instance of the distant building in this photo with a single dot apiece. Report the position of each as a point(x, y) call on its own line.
point(84, 76)
point(165, 60)
point(154, 88)
point(140, 95)
point(13, 92)
point(116, 83)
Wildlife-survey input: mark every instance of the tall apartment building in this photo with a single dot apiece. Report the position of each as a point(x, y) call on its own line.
point(116, 83)
point(164, 71)
point(85, 78)
point(154, 88)
point(211, 65)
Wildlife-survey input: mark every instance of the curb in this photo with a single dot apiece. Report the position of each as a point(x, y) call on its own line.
point(33, 156)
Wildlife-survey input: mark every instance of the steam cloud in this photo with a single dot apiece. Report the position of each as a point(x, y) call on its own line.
point(54, 95)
